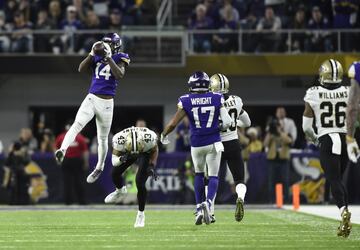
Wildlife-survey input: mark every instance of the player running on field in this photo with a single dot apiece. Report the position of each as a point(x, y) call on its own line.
point(327, 104)
point(107, 69)
point(230, 139)
point(203, 108)
point(129, 145)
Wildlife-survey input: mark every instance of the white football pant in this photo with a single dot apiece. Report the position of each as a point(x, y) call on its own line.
point(209, 156)
point(90, 107)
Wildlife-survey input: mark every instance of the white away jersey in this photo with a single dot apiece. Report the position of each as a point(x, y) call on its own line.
point(329, 106)
point(234, 106)
point(148, 136)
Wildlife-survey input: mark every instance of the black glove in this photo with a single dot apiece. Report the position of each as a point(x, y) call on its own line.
point(123, 158)
point(151, 172)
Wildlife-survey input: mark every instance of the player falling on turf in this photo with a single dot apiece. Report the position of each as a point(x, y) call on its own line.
point(129, 145)
point(203, 108)
point(230, 139)
point(107, 69)
point(327, 104)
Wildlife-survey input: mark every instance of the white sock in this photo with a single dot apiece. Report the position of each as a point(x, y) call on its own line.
point(70, 135)
point(140, 213)
point(342, 210)
point(241, 190)
point(102, 152)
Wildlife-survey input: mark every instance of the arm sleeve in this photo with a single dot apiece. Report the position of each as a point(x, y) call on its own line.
point(307, 123)
point(244, 120)
point(225, 117)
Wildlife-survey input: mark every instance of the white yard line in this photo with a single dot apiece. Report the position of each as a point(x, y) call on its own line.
point(328, 211)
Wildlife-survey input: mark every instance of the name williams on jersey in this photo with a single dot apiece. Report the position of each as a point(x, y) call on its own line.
point(333, 95)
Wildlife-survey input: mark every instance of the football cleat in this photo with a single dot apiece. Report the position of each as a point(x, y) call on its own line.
point(345, 225)
point(239, 212)
point(116, 196)
point(212, 218)
point(140, 220)
point(95, 174)
point(199, 217)
point(59, 156)
point(206, 213)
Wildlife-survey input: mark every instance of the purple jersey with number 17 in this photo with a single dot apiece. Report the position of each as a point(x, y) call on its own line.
point(103, 81)
point(203, 110)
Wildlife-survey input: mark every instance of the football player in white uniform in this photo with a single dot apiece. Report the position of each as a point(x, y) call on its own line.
point(129, 145)
point(230, 139)
point(327, 104)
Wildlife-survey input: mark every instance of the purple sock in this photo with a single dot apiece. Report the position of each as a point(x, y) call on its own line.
point(212, 187)
point(199, 187)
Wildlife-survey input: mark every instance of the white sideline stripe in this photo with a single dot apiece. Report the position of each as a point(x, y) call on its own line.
point(328, 211)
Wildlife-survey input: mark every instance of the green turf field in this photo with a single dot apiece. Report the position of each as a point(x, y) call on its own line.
point(260, 229)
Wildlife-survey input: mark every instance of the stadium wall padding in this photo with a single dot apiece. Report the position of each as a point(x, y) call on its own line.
point(19, 92)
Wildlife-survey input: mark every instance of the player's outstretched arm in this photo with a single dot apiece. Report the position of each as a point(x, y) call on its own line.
point(85, 64)
point(352, 110)
point(179, 115)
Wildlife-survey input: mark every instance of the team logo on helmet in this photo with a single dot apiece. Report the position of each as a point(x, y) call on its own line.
point(114, 40)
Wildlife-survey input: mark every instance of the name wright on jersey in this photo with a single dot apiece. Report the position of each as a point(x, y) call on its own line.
point(201, 101)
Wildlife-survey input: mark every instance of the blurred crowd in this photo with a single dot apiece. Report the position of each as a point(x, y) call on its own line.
point(310, 18)
point(21, 16)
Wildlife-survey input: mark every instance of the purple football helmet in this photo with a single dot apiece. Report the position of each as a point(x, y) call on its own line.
point(114, 40)
point(199, 82)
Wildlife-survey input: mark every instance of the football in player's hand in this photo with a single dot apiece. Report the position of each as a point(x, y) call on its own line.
point(99, 49)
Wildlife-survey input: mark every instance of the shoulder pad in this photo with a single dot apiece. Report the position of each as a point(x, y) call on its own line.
point(184, 96)
point(123, 57)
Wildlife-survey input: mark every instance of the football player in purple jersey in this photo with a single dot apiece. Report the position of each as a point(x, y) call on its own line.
point(106, 70)
point(203, 108)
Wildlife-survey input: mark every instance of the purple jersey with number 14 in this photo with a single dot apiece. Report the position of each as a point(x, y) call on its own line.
point(103, 81)
point(203, 110)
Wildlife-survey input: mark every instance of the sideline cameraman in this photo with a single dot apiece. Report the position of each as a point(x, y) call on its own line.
point(277, 144)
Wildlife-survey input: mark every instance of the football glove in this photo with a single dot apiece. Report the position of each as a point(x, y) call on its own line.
point(123, 158)
point(151, 172)
point(352, 149)
point(92, 48)
point(107, 50)
point(164, 139)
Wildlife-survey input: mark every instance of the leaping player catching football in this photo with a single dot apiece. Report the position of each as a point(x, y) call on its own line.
point(108, 65)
